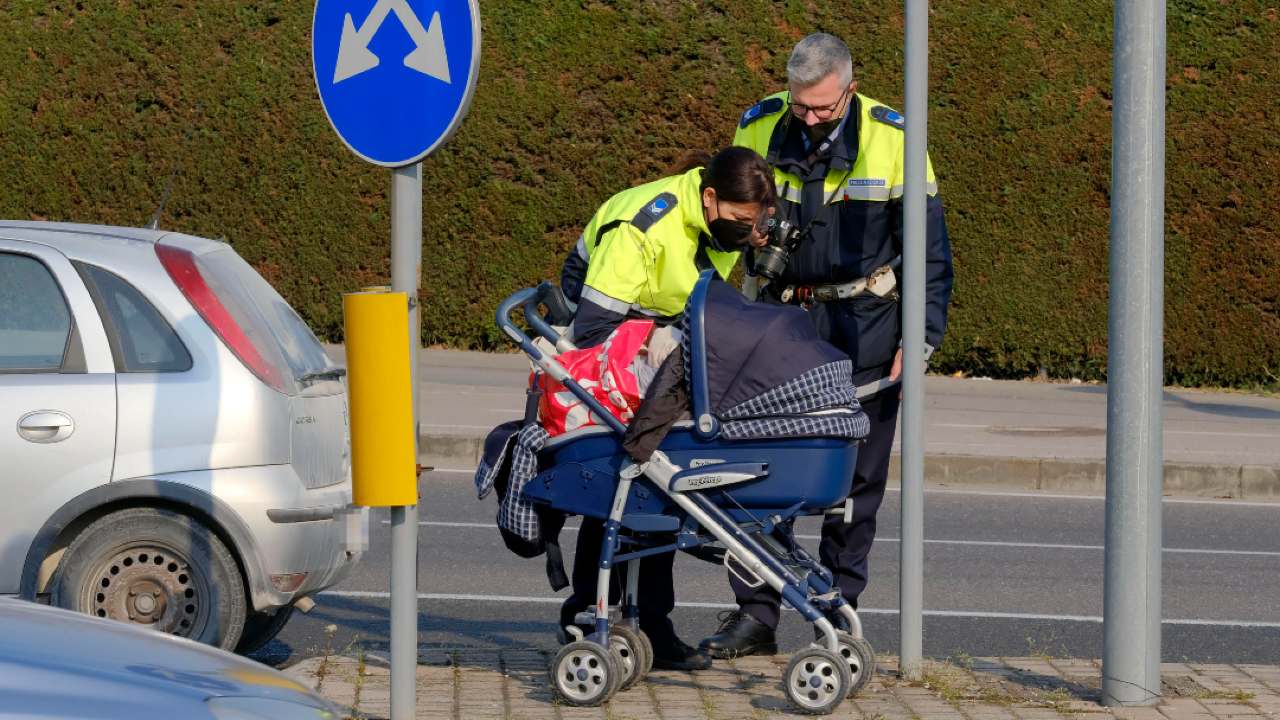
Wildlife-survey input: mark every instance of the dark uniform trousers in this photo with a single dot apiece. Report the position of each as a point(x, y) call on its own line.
point(655, 594)
point(844, 546)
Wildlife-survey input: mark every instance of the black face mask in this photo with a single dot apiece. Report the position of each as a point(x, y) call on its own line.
point(821, 131)
point(729, 235)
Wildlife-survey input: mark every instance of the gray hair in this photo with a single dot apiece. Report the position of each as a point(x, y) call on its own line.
point(817, 56)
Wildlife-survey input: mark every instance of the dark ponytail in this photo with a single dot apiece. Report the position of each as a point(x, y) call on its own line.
point(690, 160)
point(740, 175)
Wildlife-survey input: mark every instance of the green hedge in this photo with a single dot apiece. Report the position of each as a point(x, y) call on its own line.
point(577, 100)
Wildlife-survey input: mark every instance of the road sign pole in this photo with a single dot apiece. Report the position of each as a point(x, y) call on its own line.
point(394, 105)
point(1135, 451)
point(911, 549)
point(406, 274)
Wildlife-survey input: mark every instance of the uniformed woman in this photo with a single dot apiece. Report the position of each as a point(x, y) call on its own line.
point(639, 257)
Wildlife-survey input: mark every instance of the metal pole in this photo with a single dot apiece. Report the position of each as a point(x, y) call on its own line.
point(1131, 602)
point(911, 549)
point(406, 262)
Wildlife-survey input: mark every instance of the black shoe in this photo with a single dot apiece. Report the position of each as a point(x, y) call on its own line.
point(673, 654)
point(740, 634)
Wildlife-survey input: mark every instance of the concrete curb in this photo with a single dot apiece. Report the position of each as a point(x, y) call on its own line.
point(1086, 476)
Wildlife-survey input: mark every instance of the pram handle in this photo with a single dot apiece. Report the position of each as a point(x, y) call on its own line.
point(559, 311)
point(522, 299)
point(705, 423)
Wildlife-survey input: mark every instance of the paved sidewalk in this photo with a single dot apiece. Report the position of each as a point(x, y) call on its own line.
point(1006, 434)
point(512, 685)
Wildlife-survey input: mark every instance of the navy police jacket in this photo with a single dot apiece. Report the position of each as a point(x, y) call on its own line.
point(848, 190)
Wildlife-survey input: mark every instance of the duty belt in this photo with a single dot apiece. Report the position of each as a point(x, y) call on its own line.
point(881, 283)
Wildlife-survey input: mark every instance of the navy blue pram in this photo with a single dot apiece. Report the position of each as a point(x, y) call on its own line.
point(727, 484)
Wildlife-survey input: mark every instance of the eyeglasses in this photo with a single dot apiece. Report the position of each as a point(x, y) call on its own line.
point(760, 226)
point(822, 112)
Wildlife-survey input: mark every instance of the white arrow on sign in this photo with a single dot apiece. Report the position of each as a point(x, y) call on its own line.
point(428, 56)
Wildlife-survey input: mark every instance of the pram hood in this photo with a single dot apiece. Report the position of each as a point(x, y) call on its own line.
point(752, 348)
point(757, 370)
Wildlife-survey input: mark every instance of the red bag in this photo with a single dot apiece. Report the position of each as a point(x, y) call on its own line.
point(605, 372)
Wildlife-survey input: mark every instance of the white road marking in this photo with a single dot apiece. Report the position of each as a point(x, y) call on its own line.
point(980, 543)
point(1029, 429)
point(1222, 434)
point(1037, 494)
point(1221, 502)
point(981, 615)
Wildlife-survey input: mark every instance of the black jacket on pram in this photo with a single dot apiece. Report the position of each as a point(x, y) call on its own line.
point(760, 371)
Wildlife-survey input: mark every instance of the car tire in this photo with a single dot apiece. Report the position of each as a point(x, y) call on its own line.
point(155, 568)
point(261, 627)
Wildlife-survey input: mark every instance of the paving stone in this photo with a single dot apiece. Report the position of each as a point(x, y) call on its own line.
point(512, 685)
point(1137, 713)
point(577, 713)
point(1035, 713)
point(982, 711)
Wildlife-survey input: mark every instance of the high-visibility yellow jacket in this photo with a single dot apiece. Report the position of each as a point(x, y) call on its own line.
point(640, 255)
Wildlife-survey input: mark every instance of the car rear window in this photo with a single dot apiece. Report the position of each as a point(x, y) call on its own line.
point(280, 335)
point(142, 341)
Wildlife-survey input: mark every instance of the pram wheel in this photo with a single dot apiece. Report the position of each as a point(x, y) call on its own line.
point(817, 680)
point(635, 652)
point(585, 674)
point(861, 659)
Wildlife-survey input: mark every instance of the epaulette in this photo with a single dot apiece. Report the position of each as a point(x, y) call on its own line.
point(889, 117)
point(654, 211)
point(767, 106)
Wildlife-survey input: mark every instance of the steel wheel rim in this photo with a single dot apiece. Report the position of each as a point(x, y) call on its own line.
point(582, 675)
point(627, 655)
point(814, 682)
point(150, 585)
point(851, 656)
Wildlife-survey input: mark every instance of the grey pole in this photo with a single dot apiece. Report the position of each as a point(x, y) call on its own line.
point(406, 263)
point(1131, 602)
point(911, 549)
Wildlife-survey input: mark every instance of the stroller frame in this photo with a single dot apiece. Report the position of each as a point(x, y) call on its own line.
point(819, 676)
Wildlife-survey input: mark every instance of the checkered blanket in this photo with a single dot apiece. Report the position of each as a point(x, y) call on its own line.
point(819, 403)
point(520, 454)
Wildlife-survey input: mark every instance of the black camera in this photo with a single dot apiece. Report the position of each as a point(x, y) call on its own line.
point(771, 260)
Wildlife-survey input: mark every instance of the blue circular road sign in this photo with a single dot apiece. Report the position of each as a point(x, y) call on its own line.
point(395, 76)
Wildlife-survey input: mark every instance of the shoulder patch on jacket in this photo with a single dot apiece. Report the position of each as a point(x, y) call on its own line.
point(889, 117)
point(764, 107)
point(654, 211)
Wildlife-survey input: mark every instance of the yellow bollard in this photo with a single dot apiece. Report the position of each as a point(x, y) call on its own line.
point(383, 460)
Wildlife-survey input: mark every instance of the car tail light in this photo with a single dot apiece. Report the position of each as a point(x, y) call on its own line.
point(182, 268)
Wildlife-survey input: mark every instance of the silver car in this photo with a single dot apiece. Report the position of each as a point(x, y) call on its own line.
point(174, 449)
point(55, 664)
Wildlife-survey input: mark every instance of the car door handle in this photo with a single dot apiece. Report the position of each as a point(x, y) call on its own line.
point(46, 426)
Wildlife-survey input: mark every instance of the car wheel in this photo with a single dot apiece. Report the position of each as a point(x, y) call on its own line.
point(158, 569)
point(261, 627)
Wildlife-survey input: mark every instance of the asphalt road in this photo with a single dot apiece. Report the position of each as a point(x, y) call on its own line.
point(1005, 575)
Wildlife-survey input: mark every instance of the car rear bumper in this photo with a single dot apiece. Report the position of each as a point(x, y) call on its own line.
point(295, 541)
point(336, 537)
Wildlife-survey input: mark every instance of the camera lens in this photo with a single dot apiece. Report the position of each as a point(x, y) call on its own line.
point(771, 260)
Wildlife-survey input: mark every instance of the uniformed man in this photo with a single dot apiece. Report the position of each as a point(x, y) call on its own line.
point(837, 158)
point(640, 256)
